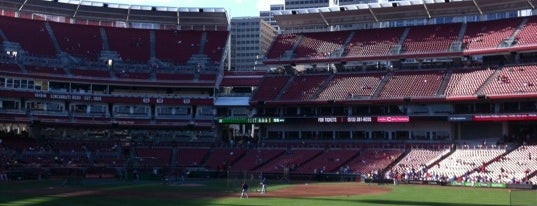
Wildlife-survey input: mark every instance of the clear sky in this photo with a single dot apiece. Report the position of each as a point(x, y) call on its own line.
point(234, 8)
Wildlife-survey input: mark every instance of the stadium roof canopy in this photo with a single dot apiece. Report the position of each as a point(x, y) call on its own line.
point(92, 10)
point(392, 11)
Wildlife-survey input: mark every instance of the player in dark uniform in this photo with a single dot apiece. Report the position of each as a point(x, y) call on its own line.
point(244, 190)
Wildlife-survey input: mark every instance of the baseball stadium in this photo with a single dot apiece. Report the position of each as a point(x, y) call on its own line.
point(413, 102)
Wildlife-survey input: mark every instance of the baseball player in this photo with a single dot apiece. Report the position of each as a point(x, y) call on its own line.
point(244, 190)
point(264, 186)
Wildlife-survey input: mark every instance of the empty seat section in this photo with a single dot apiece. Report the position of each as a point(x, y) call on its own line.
point(154, 156)
point(132, 75)
point(30, 34)
point(429, 39)
point(78, 40)
point(320, 45)
point(464, 160)
point(418, 158)
point(214, 47)
point(93, 73)
point(328, 162)
point(290, 159)
point(191, 156)
point(527, 36)
point(240, 82)
point(177, 46)
point(373, 160)
point(270, 87)
point(413, 84)
point(488, 35)
point(131, 44)
point(45, 70)
point(255, 158)
point(10, 68)
point(303, 87)
point(345, 86)
point(221, 158)
point(282, 43)
point(207, 77)
point(175, 76)
point(514, 80)
point(374, 42)
point(516, 165)
point(467, 82)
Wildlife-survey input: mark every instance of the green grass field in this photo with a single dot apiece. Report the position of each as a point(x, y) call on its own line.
point(53, 193)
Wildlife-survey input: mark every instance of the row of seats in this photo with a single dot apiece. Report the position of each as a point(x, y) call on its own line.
point(526, 36)
point(467, 82)
point(462, 82)
point(427, 39)
point(303, 87)
point(132, 45)
point(490, 163)
point(464, 161)
point(351, 86)
point(516, 165)
point(420, 39)
point(319, 45)
point(486, 35)
point(417, 157)
point(105, 74)
point(375, 42)
point(410, 84)
point(513, 80)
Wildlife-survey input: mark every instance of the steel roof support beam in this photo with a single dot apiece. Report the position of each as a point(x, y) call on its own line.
point(477, 6)
point(324, 19)
point(178, 21)
point(531, 4)
point(128, 16)
point(426, 10)
point(373, 14)
point(76, 10)
point(22, 5)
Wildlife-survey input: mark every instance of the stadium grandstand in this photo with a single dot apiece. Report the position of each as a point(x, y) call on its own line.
point(98, 90)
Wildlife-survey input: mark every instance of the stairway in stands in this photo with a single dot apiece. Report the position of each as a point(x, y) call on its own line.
point(106, 46)
point(203, 42)
point(284, 88)
point(511, 40)
point(445, 82)
point(398, 48)
point(491, 78)
point(152, 47)
point(53, 38)
point(456, 46)
point(322, 87)
point(382, 84)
